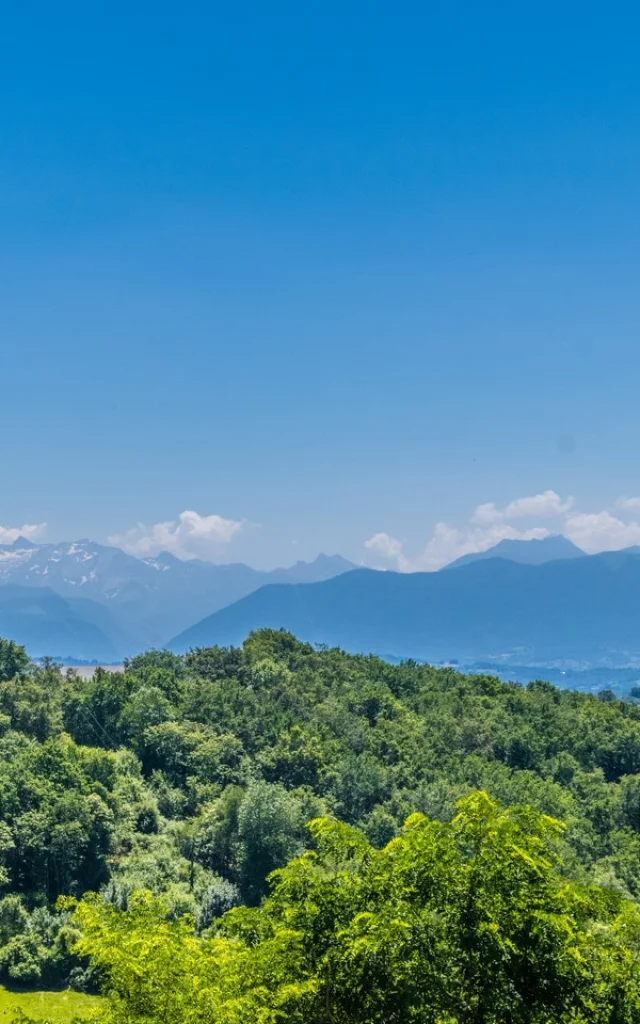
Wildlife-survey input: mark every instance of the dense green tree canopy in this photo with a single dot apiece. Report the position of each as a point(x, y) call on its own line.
point(193, 777)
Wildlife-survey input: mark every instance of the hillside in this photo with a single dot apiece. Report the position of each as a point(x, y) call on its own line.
point(586, 608)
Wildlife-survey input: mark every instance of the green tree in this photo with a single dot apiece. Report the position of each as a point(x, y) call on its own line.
point(270, 832)
point(461, 923)
point(14, 661)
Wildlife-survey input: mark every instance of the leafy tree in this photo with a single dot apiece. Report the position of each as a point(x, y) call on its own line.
point(14, 661)
point(465, 923)
point(270, 832)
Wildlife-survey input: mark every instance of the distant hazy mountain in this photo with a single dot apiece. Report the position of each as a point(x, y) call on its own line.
point(324, 567)
point(526, 552)
point(152, 599)
point(572, 608)
point(49, 624)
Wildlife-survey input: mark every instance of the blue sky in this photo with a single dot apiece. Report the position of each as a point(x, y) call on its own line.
point(324, 278)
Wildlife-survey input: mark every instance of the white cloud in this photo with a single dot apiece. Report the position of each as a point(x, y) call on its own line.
point(628, 504)
point(535, 506)
point(32, 531)
point(386, 548)
point(488, 525)
point(601, 531)
point(609, 529)
point(447, 543)
point(190, 536)
point(384, 544)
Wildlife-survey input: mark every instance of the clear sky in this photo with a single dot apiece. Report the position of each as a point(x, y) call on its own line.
point(324, 277)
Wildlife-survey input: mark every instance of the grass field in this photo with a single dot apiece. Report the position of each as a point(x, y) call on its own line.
point(60, 1007)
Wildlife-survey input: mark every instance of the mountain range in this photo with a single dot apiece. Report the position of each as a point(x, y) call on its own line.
point(573, 608)
point(134, 603)
point(535, 600)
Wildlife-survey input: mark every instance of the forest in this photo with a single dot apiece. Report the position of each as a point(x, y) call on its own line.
point(277, 832)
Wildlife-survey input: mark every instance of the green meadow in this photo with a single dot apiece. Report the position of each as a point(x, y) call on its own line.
point(61, 1007)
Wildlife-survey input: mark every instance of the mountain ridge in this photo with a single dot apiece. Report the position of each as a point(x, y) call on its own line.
point(535, 551)
point(150, 599)
point(581, 607)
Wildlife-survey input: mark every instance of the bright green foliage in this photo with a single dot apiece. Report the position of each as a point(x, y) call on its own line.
point(464, 923)
point(192, 777)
